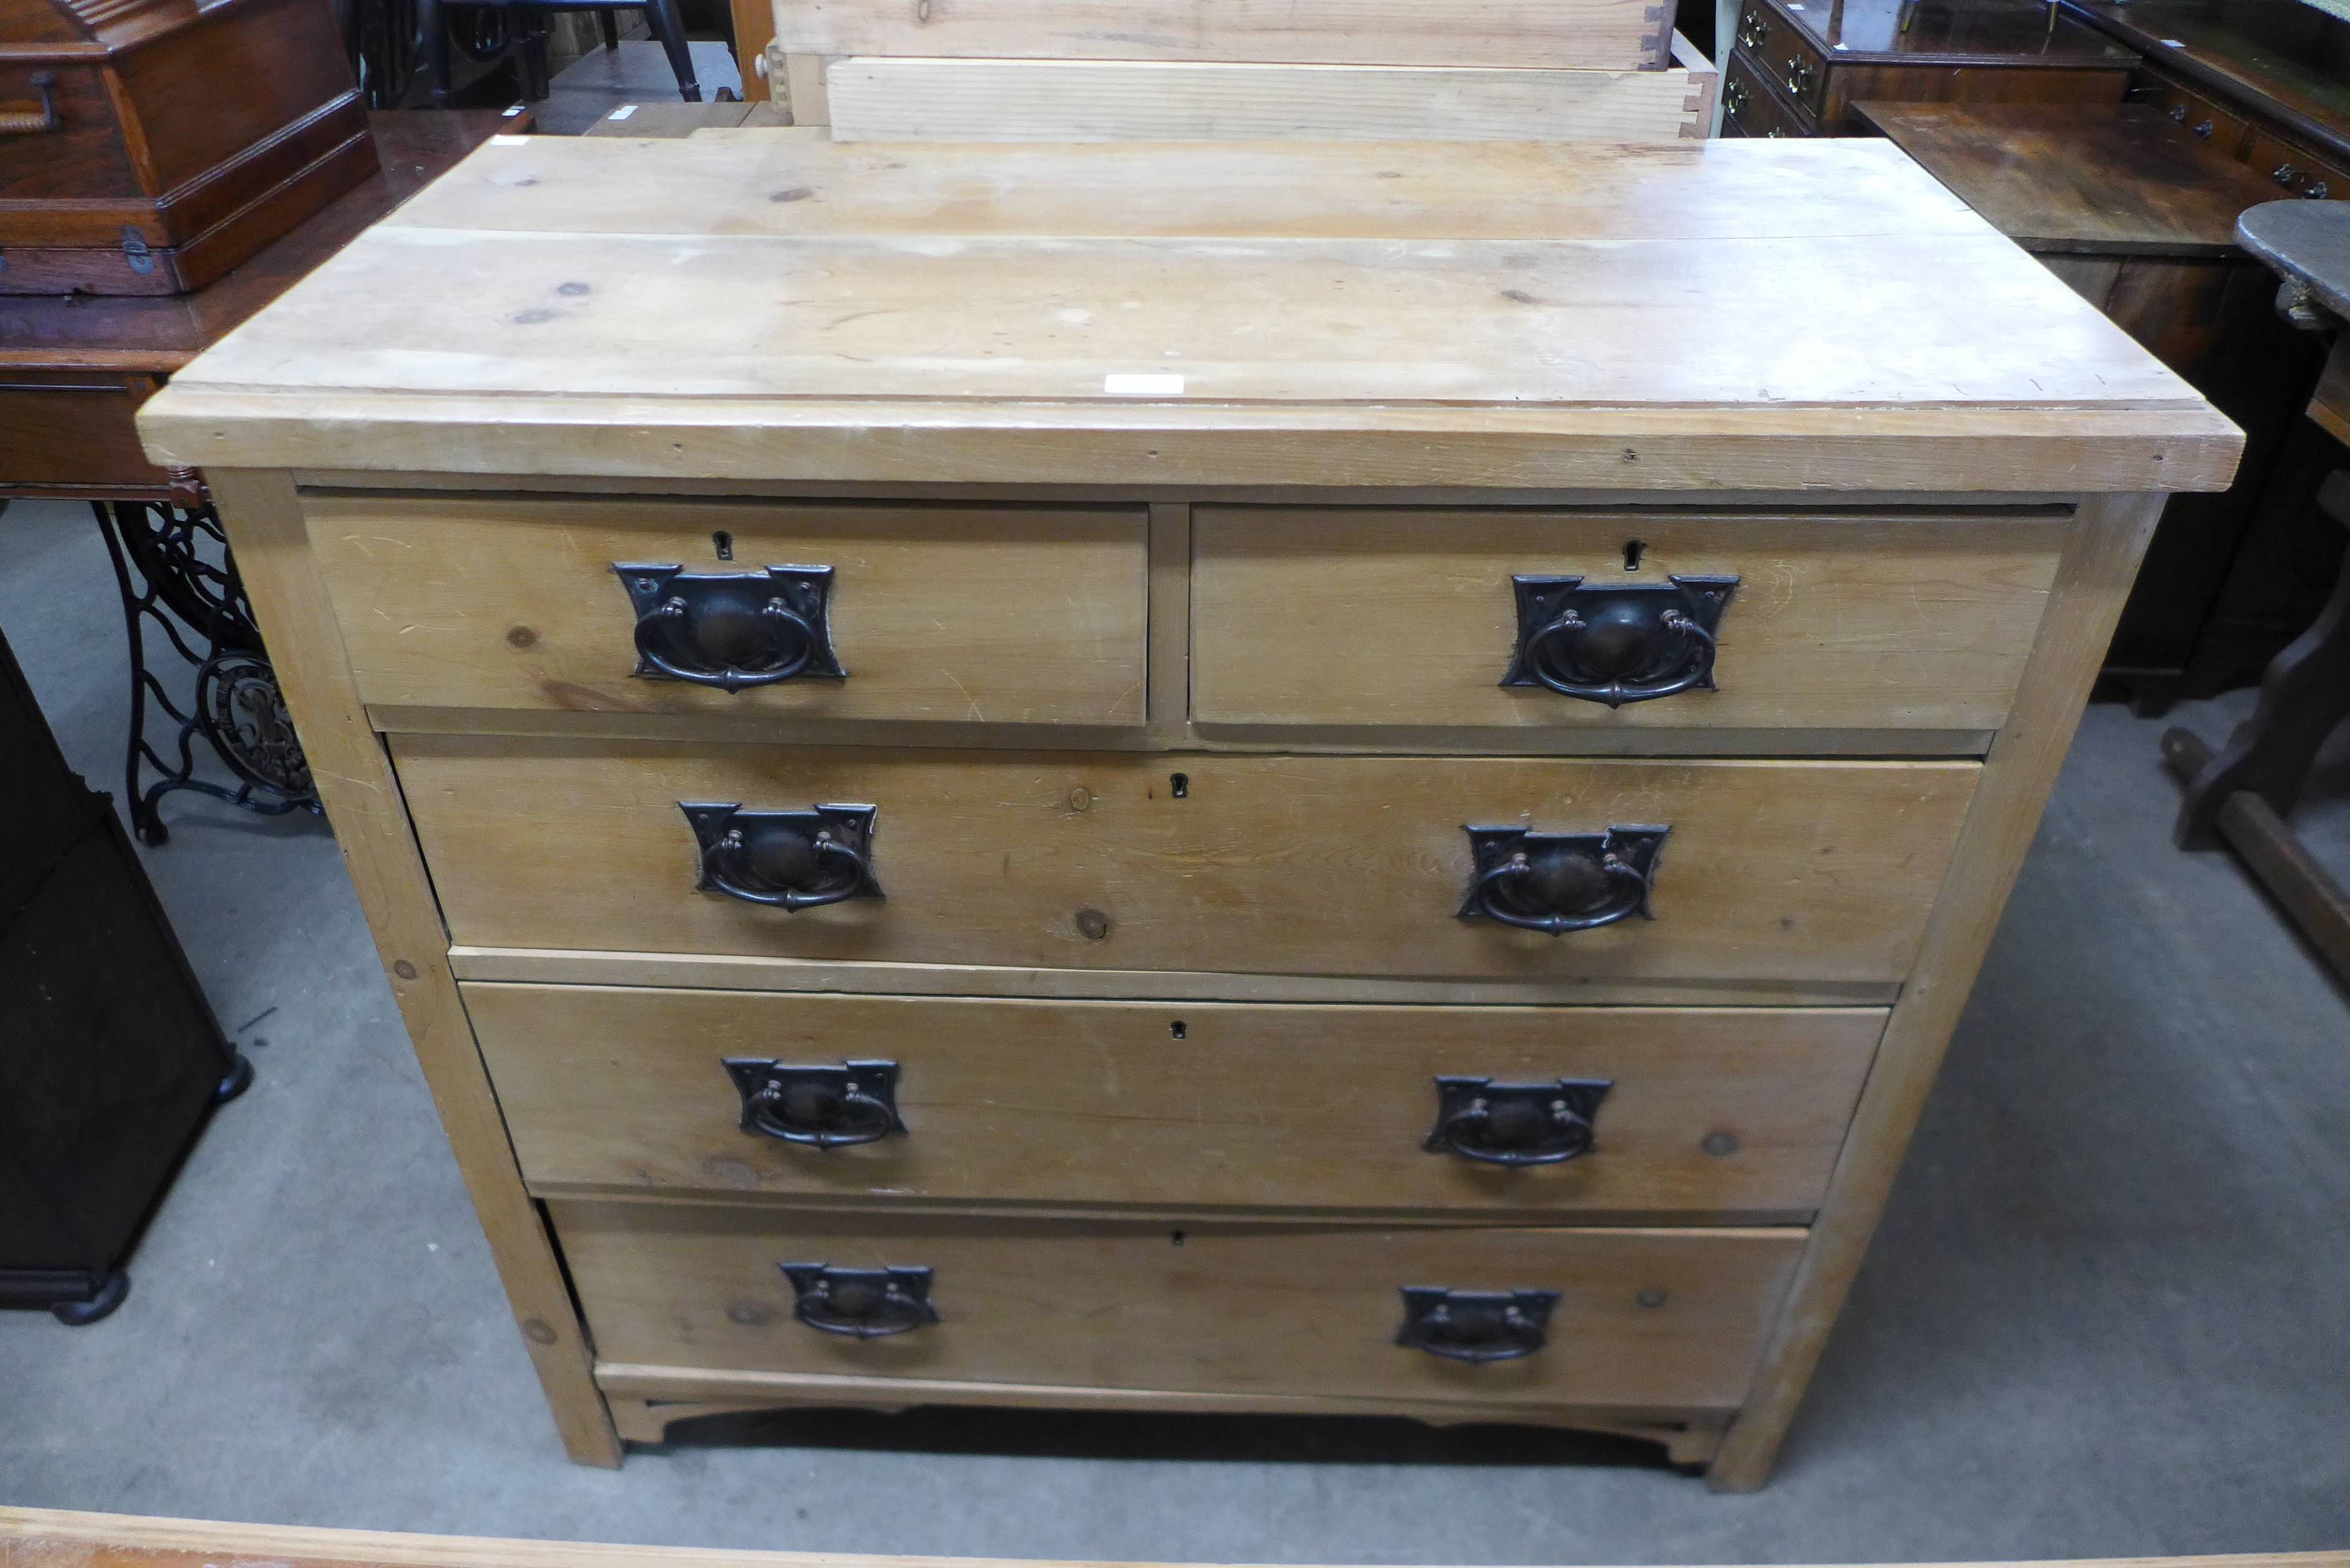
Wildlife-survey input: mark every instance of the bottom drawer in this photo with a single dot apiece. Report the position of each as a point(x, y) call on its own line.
point(1640, 1318)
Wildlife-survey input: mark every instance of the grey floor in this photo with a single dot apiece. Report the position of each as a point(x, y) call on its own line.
point(2104, 1316)
point(637, 72)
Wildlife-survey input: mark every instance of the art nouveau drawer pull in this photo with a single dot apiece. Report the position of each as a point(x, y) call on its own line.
point(826, 1106)
point(1560, 882)
point(1515, 1124)
point(732, 629)
point(1475, 1325)
point(42, 117)
point(789, 859)
point(1624, 642)
point(864, 1303)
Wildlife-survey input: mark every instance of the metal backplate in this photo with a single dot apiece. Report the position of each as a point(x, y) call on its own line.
point(1635, 621)
point(804, 591)
point(820, 1105)
point(724, 833)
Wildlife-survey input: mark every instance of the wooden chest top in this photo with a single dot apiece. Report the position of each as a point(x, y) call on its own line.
point(754, 305)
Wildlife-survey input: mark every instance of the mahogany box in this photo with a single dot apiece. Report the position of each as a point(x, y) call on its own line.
point(148, 146)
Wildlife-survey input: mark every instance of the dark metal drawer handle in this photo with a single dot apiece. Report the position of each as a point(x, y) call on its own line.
point(732, 629)
point(1475, 1325)
point(1561, 882)
point(1515, 1124)
point(828, 1107)
point(33, 121)
point(2285, 173)
point(864, 1303)
point(787, 860)
point(1630, 642)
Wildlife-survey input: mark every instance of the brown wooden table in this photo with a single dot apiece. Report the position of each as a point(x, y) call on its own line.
point(2138, 214)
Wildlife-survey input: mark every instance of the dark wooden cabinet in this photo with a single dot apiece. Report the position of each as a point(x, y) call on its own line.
point(110, 1059)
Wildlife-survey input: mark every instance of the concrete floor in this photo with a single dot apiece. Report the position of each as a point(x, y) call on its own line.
point(2104, 1316)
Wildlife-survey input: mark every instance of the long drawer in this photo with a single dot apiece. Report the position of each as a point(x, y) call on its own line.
point(968, 613)
point(1641, 1318)
point(1777, 871)
point(1709, 1113)
point(1386, 617)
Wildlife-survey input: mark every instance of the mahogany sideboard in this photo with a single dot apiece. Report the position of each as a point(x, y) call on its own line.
point(1285, 776)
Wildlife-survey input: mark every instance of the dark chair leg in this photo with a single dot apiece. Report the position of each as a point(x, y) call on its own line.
point(2306, 693)
point(432, 34)
point(609, 23)
point(532, 54)
point(663, 20)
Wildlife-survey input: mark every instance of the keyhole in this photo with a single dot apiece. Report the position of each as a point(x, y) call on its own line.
point(1176, 1029)
point(1180, 784)
point(724, 543)
point(1177, 1239)
point(1633, 550)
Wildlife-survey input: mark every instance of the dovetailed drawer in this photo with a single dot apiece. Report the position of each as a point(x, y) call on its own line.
point(1393, 618)
point(961, 613)
point(1778, 872)
point(1641, 1318)
point(1721, 1114)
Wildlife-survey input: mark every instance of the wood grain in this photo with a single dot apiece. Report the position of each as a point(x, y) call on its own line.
point(1214, 1106)
point(1226, 1308)
point(362, 797)
point(975, 614)
point(1267, 865)
point(878, 98)
point(1366, 617)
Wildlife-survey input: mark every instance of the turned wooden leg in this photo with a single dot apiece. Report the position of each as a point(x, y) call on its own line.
point(2306, 693)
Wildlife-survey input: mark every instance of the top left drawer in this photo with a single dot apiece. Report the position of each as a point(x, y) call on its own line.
point(832, 611)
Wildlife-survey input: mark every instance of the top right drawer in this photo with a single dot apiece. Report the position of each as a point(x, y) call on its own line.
point(1530, 619)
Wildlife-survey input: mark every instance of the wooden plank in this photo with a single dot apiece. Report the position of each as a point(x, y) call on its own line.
point(1842, 620)
point(881, 98)
point(1120, 1104)
point(738, 972)
point(1280, 864)
point(2296, 879)
point(507, 602)
point(1210, 1307)
point(362, 798)
point(1609, 34)
point(804, 80)
point(2108, 537)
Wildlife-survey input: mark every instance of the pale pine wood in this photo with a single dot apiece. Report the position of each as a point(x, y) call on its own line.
point(737, 972)
point(1270, 864)
point(1357, 616)
point(804, 80)
point(1226, 1309)
point(362, 798)
point(1031, 616)
point(1087, 1103)
point(2100, 558)
point(1613, 35)
point(60, 1538)
point(879, 98)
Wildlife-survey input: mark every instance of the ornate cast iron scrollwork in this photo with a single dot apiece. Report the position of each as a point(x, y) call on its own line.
point(864, 1303)
point(1515, 1124)
point(173, 564)
point(789, 859)
point(1561, 882)
point(1475, 1325)
point(1617, 643)
point(732, 629)
point(828, 1107)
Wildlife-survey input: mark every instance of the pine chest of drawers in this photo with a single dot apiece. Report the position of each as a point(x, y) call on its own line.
point(1287, 778)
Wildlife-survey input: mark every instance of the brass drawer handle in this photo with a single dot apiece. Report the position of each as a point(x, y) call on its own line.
point(1733, 97)
point(1475, 1325)
point(790, 860)
point(1753, 28)
point(1631, 642)
point(2314, 192)
point(33, 121)
point(1561, 882)
point(1799, 75)
point(864, 1303)
point(730, 630)
point(2285, 173)
point(1515, 1124)
point(826, 1107)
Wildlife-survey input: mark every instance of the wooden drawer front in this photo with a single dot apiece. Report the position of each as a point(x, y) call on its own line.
point(1363, 617)
point(2294, 170)
point(2201, 115)
point(1751, 109)
point(1719, 1112)
point(1022, 615)
point(1267, 864)
point(1226, 1308)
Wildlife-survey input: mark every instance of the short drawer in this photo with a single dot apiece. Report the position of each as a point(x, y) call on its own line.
point(1346, 616)
point(1639, 1318)
point(960, 613)
point(1708, 1113)
point(1271, 864)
